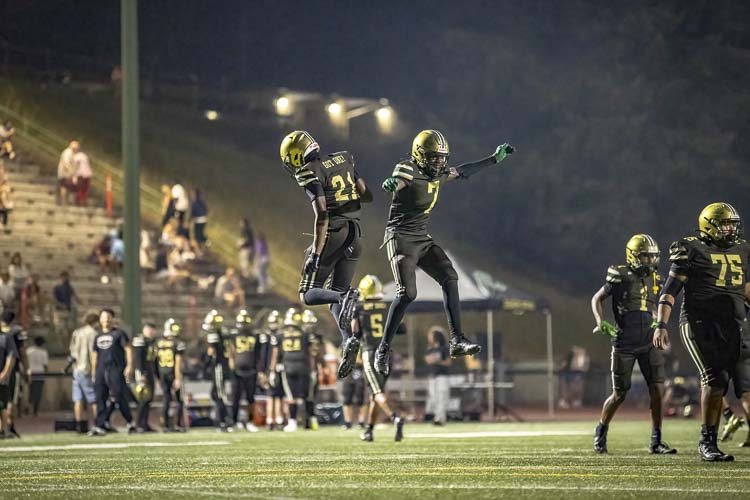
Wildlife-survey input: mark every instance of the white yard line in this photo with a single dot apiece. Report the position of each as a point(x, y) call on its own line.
point(108, 446)
point(461, 435)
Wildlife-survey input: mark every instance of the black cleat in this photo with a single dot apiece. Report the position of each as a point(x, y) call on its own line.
point(709, 452)
point(13, 434)
point(349, 352)
point(399, 429)
point(367, 436)
point(383, 358)
point(460, 346)
point(600, 440)
point(348, 303)
point(661, 449)
point(733, 425)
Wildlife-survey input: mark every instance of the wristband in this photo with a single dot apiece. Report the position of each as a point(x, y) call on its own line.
point(665, 302)
point(660, 325)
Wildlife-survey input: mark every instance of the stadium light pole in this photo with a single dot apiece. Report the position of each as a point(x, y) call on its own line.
point(131, 306)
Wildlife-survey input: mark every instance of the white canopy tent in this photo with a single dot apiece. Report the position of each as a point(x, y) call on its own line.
point(480, 293)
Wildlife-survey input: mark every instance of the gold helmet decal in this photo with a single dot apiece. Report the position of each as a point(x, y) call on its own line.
point(293, 317)
point(295, 147)
point(642, 253)
point(370, 288)
point(430, 151)
point(720, 222)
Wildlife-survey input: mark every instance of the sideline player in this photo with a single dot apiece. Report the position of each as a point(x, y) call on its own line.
point(415, 184)
point(170, 351)
point(336, 191)
point(634, 288)
point(245, 353)
point(275, 390)
point(713, 270)
point(144, 352)
point(213, 325)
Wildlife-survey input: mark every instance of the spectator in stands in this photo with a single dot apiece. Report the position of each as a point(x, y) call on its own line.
point(80, 357)
point(38, 360)
point(82, 178)
point(34, 299)
point(66, 169)
point(6, 140)
point(6, 204)
point(19, 274)
point(574, 368)
point(100, 253)
point(199, 217)
point(246, 245)
point(116, 254)
point(147, 255)
point(438, 390)
point(229, 291)
point(262, 261)
point(7, 294)
point(179, 261)
point(169, 233)
point(64, 317)
point(167, 204)
point(181, 207)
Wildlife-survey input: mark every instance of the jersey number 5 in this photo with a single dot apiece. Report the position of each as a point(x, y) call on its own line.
point(376, 325)
point(734, 263)
point(340, 184)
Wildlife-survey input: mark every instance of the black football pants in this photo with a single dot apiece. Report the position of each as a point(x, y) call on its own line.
point(243, 384)
point(166, 381)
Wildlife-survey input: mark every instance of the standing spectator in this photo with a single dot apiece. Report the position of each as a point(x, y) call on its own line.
point(112, 361)
point(34, 300)
point(38, 361)
point(574, 369)
point(229, 291)
point(116, 254)
point(81, 348)
point(6, 140)
point(147, 254)
point(6, 204)
point(66, 169)
point(82, 178)
point(167, 204)
point(246, 245)
point(199, 216)
point(64, 317)
point(438, 390)
point(262, 261)
point(7, 294)
point(181, 207)
point(19, 274)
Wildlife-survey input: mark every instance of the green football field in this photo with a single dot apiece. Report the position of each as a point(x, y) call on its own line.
point(469, 461)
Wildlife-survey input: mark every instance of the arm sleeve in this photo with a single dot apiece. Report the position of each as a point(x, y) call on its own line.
point(404, 171)
point(466, 170)
point(679, 256)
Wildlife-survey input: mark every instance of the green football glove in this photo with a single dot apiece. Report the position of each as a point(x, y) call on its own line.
point(607, 328)
point(502, 151)
point(390, 184)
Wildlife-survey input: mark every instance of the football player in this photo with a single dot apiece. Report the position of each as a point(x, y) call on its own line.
point(296, 353)
point(310, 327)
point(170, 351)
point(336, 191)
point(712, 268)
point(415, 185)
point(20, 369)
point(244, 358)
point(213, 325)
point(144, 354)
point(368, 323)
point(275, 390)
point(634, 288)
point(8, 360)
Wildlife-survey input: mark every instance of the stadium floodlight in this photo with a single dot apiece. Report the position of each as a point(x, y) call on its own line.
point(384, 113)
point(211, 115)
point(334, 109)
point(283, 106)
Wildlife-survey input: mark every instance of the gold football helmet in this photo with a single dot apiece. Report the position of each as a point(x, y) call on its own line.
point(143, 393)
point(642, 253)
point(243, 319)
point(721, 223)
point(430, 151)
point(370, 288)
point(293, 317)
point(171, 328)
point(273, 320)
point(295, 148)
point(213, 321)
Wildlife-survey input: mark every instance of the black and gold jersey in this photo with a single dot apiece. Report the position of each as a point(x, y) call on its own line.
point(144, 354)
point(220, 342)
point(247, 350)
point(334, 178)
point(411, 205)
point(634, 298)
point(167, 350)
point(371, 315)
point(716, 278)
point(295, 349)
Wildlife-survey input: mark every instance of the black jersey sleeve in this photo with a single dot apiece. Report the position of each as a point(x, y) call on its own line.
point(310, 180)
point(404, 171)
point(679, 256)
point(613, 279)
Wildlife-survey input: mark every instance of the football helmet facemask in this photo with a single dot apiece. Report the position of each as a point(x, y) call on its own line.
point(430, 151)
point(642, 253)
point(296, 150)
point(721, 223)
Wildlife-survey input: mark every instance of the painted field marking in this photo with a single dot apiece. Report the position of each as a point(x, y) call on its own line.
point(468, 435)
point(108, 446)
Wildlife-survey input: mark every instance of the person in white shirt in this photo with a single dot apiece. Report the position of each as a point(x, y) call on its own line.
point(181, 206)
point(81, 346)
point(66, 169)
point(38, 360)
point(82, 178)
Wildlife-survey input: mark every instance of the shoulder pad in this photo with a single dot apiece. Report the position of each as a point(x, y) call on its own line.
point(404, 170)
point(180, 346)
point(678, 251)
point(139, 341)
point(213, 338)
point(262, 338)
point(614, 274)
point(305, 176)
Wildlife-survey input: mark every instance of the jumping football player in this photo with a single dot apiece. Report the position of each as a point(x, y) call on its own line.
point(144, 354)
point(712, 268)
point(170, 351)
point(213, 325)
point(634, 288)
point(336, 191)
point(415, 185)
point(244, 352)
point(368, 322)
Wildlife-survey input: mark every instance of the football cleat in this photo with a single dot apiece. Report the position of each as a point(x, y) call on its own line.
point(291, 426)
point(709, 452)
point(97, 431)
point(733, 425)
point(367, 436)
point(460, 346)
point(383, 358)
point(348, 303)
point(661, 449)
point(600, 440)
point(399, 429)
point(349, 352)
point(251, 427)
